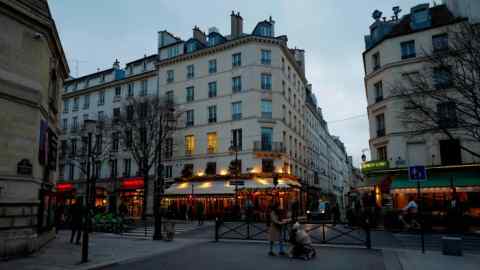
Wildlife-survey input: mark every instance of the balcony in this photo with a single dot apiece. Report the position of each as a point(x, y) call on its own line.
point(274, 147)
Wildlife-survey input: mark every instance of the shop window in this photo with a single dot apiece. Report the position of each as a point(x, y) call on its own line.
point(267, 165)
point(187, 170)
point(211, 168)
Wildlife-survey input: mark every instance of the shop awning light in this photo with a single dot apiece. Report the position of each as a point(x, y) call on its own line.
point(183, 185)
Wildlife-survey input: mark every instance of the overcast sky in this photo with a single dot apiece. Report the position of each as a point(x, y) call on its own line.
point(94, 33)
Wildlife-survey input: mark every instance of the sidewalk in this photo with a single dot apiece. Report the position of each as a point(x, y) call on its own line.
point(103, 251)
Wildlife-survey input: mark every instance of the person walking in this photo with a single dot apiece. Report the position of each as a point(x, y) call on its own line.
point(200, 212)
point(76, 218)
point(336, 214)
point(275, 231)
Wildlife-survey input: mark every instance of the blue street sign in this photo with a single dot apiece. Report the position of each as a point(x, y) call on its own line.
point(417, 173)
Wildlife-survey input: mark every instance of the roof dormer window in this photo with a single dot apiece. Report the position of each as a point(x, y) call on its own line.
point(191, 47)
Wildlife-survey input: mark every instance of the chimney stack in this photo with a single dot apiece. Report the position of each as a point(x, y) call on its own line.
point(199, 35)
point(236, 25)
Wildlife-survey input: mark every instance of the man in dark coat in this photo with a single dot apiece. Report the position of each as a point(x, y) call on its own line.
point(76, 218)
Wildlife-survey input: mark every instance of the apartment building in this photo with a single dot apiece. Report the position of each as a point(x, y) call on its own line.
point(395, 48)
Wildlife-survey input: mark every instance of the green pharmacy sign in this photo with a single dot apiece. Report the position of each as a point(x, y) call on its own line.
point(374, 165)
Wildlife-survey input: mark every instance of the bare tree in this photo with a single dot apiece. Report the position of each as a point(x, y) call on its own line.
point(445, 94)
point(145, 126)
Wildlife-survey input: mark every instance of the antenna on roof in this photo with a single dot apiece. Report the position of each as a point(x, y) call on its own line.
point(396, 11)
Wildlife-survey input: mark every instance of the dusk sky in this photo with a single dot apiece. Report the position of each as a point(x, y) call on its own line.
point(94, 33)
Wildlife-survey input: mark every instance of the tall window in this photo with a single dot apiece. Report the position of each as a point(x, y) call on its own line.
point(266, 81)
point(266, 109)
point(289, 73)
point(115, 141)
point(75, 123)
point(376, 61)
point(170, 76)
point(236, 59)
point(440, 42)
point(380, 125)
point(378, 91)
point(212, 142)
point(447, 115)
point(100, 116)
point(130, 112)
point(408, 49)
point(236, 84)
point(212, 114)
point(66, 105)
point(190, 71)
point(76, 102)
point(190, 119)
point(71, 172)
point(212, 66)
point(237, 110)
point(266, 58)
point(190, 94)
point(144, 88)
point(86, 101)
point(127, 167)
point(128, 138)
point(116, 114)
point(168, 171)
point(101, 98)
point(283, 64)
point(173, 51)
point(169, 96)
point(169, 148)
point(266, 139)
point(113, 168)
point(189, 145)
point(130, 90)
point(382, 153)
point(212, 89)
point(237, 138)
point(118, 91)
point(450, 152)
point(64, 124)
point(442, 77)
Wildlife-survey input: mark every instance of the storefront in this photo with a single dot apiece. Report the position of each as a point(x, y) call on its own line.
point(131, 197)
point(221, 197)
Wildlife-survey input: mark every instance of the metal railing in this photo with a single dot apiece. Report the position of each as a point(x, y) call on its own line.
point(277, 147)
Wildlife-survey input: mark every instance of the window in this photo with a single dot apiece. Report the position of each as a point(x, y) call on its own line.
point(237, 110)
point(86, 101)
point(127, 167)
point(376, 61)
point(266, 109)
point(169, 96)
point(189, 145)
point(85, 117)
point(76, 102)
point(128, 138)
point(289, 73)
point(440, 42)
point(115, 141)
point(236, 59)
point(212, 142)
point(170, 76)
point(101, 98)
point(447, 115)
point(266, 57)
point(73, 150)
point(173, 51)
point(265, 30)
point(190, 94)
point(266, 139)
point(382, 153)
point(98, 143)
point(130, 90)
point(75, 123)
point(130, 112)
point(190, 119)
point(113, 168)
point(408, 49)
point(212, 66)
point(66, 105)
point(168, 171)
point(116, 114)
point(380, 125)
point(442, 78)
point(144, 88)
point(237, 138)
point(190, 71)
point(142, 110)
point(212, 114)
point(378, 91)
point(236, 84)
point(100, 116)
point(169, 148)
point(144, 65)
point(266, 81)
point(71, 172)
point(212, 89)
point(267, 165)
point(118, 91)
point(211, 168)
point(187, 170)
point(64, 124)
point(450, 152)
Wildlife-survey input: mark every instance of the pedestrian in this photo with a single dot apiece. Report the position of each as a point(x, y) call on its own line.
point(275, 230)
point(76, 218)
point(59, 217)
point(336, 214)
point(200, 212)
point(411, 213)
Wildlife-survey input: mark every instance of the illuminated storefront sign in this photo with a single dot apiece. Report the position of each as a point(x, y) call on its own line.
point(374, 165)
point(132, 183)
point(61, 187)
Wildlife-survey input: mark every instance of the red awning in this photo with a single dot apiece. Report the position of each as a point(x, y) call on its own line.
point(63, 187)
point(132, 183)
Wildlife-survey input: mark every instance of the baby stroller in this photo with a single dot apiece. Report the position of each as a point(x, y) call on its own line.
point(301, 244)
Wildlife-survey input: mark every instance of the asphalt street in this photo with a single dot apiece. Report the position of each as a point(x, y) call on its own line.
point(234, 255)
